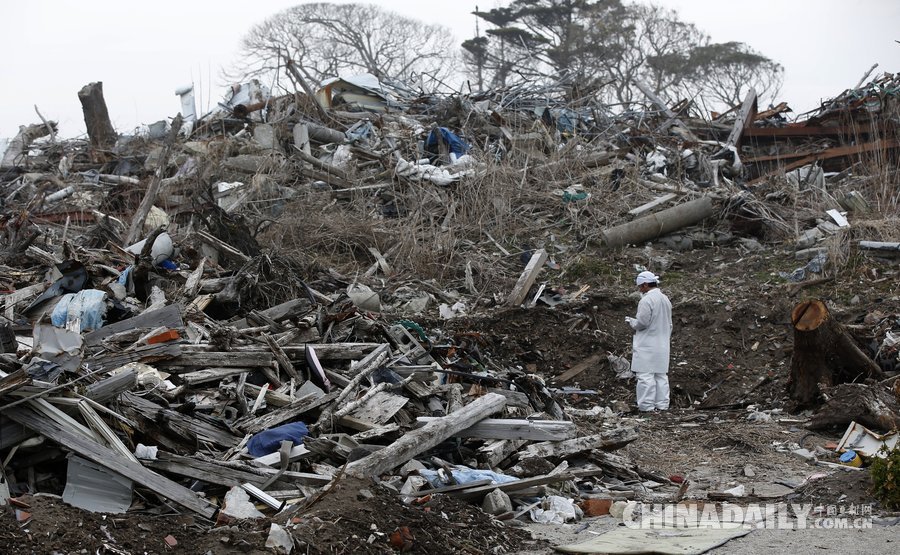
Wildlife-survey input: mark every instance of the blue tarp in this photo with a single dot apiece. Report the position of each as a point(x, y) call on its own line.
point(457, 145)
point(89, 305)
point(269, 441)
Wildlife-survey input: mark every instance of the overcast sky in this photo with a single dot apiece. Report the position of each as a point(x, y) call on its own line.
point(143, 51)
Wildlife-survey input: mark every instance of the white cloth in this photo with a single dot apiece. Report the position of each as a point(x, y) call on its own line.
point(646, 277)
point(653, 330)
point(652, 391)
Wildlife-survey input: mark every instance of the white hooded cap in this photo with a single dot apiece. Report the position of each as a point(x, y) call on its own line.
point(646, 277)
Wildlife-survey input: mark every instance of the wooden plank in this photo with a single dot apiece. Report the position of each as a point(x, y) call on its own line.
point(147, 354)
point(281, 358)
point(646, 207)
point(279, 416)
point(222, 359)
point(10, 301)
point(93, 451)
point(273, 459)
point(613, 439)
point(416, 441)
point(514, 399)
point(182, 424)
point(495, 452)
point(211, 375)
point(744, 119)
point(222, 246)
point(589, 362)
point(277, 312)
point(524, 483)
point(168, 316)
point(447, 489)
point(14, 381)
point(272, 398)
point(380, 408)
point(232, 473)
point(526, 280)
point(515, 428)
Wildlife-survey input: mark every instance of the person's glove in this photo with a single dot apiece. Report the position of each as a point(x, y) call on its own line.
point(629, 320)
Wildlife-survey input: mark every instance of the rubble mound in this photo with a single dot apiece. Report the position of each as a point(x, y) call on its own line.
point(348, 522)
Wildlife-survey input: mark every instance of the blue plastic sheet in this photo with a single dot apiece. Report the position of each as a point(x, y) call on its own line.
point(89, 305)
point(457, 145)
point(269, 441)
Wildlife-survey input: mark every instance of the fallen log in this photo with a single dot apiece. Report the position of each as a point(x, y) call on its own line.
point(660, 223)
point(824, 354)
point(426, 437)
point(873, 406)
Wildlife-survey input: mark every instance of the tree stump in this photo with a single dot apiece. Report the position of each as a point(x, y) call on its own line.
point(96, 117)
point(824, 355)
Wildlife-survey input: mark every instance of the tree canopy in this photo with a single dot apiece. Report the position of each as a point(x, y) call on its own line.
point(603, 46)
point(325, 40)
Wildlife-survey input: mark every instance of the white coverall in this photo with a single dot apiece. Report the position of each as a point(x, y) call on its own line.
point(650, 350)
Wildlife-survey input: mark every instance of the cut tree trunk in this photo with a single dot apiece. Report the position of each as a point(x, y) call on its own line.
point(96, 116)
point(824, 355)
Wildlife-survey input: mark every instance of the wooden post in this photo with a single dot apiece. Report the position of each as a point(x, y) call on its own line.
point(655, 225)
point(744, 118)
point(137, 223)
point(96, 116)
point(824, 354)
point(526, 280)
point(417, 441)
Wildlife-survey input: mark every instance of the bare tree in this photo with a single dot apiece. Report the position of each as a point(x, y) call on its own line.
point(536, 39)
point(602, 46)
point(723, 73)
point(326, 39)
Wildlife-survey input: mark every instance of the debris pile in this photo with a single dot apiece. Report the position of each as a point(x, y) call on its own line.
point(246, 313)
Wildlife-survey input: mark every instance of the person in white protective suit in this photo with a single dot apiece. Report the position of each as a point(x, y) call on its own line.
point(650, 348)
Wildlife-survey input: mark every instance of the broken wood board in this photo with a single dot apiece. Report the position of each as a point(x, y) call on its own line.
point(515, 428)
point(147, 354)
point(589, 362)
point(168, 317)
point(232, 473)
point(647, 207)
point(99, 454)
point(613, 439)
point(283, 414)
point(380, 408)
point(526, 280)
point(416, 441)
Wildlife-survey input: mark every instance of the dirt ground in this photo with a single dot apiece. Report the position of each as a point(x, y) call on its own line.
point(730, 358)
